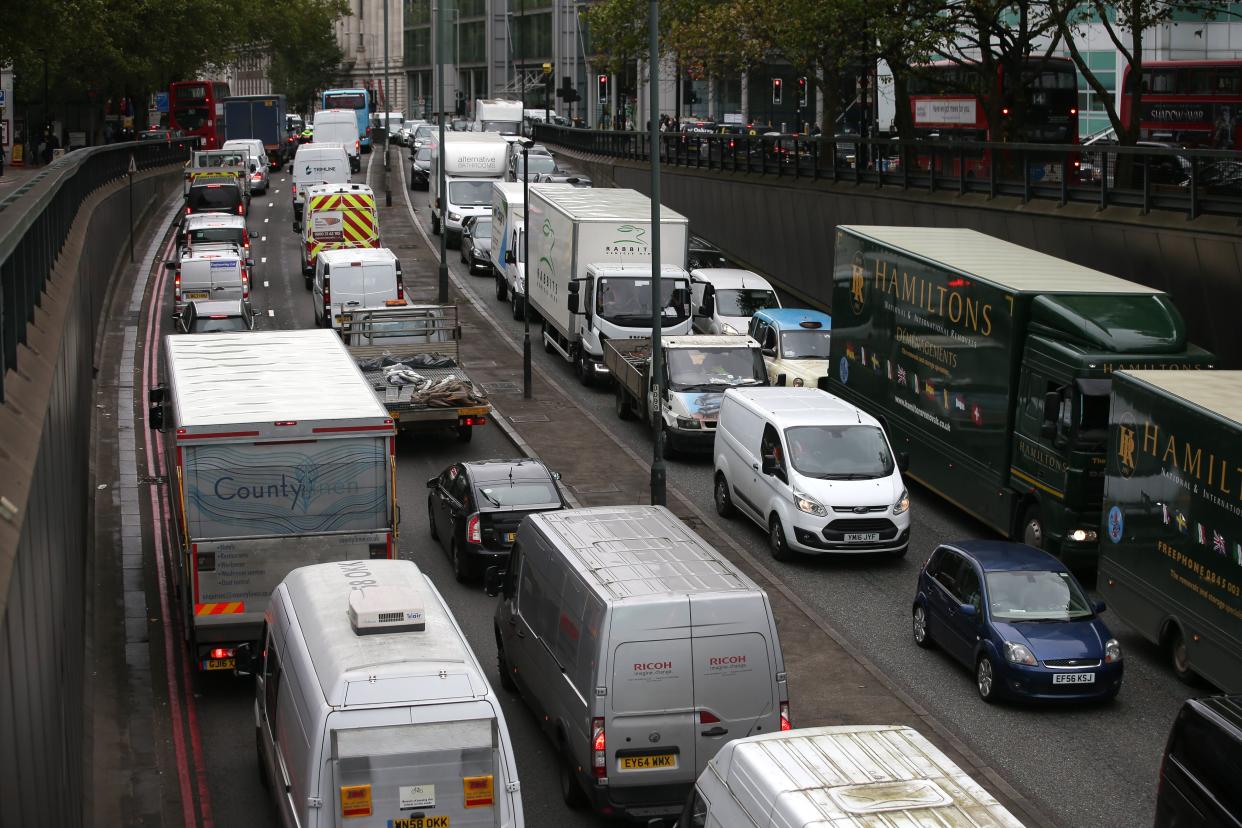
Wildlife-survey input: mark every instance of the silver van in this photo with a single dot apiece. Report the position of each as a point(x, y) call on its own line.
point(864, 775)
point(216, 274)
point(640, 648)
point(370, 707)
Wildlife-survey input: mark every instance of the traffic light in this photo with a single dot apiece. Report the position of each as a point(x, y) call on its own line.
point(603, 87)
point(776, 90)
point(802, 92)
point(567, 93)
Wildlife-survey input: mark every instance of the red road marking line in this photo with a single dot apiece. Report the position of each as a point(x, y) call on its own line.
point(173, 653)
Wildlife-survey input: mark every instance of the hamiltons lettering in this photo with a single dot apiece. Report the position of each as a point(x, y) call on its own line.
point(938, 300)
point(1176, 453)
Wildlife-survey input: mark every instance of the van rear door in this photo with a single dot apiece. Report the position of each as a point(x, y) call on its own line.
point(734, 677)
point(448, 773)
point(650, 732)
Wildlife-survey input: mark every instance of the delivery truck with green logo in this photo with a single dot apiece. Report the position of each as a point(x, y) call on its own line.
point(1171, 556)
point(990, 365)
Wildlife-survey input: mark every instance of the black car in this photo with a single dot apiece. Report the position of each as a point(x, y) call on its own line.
point(420, 168)
point(1202, 764)
point(476, 244)
point(474, 508)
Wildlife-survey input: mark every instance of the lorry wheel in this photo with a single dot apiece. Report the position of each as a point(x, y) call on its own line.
point(547, 342)
point(435, 225)
point(571, 791)
point(667, 450)
point(1033, 527)
point(465, 434)
point(502, 289)
point(720, 494)
point(502, 665)
point(622, 404)
point(1179, 657)
point(583, 370)
point(518, 306)
point(776, 541)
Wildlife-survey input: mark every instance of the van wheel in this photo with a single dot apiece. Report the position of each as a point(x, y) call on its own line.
point(465, 434)
point(724, 501)
point(1179, 656)
point(777, 543)
point(571, 791)
point(623, 404)
point(258, 758)
point(502, 664)
point(1032, 527)
point(502, 289)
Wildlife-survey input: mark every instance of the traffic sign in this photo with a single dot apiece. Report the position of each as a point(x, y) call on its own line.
point(4, 97)
point(161, 101)
point(133, 167)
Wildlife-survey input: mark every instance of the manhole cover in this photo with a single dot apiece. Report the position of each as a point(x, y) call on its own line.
point(500, 387)
point(529, 418)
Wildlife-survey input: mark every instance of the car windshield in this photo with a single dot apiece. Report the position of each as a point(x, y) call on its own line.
point(518, 493)
point(218, 324)
point(539, 164)
point(503, 127)
point(744, 302)
point(207, 235)
point(805, 344)
point(713, 369)
point(470, 193)
point(626, 301)
point(1036, 596)
point(423, 154)
point(481, 229)
point(423, 133)
point(214, 197)
point(845, 452)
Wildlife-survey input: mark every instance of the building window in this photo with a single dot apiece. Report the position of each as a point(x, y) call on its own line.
point(1092, 111)
point(532, 36)
point(418, 47)
point(473, 41)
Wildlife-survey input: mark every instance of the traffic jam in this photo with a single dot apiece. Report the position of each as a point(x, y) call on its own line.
point(1063, 414)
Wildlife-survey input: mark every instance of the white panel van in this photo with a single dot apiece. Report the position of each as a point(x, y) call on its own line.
point(340, 126)
point(639, 647)
point(371, 708)
point(317, 163)
point(353, 278)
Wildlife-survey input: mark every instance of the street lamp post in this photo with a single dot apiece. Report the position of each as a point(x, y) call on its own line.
point(387, 109)
point(657, 355)
point(442, 273)
point(526, 145)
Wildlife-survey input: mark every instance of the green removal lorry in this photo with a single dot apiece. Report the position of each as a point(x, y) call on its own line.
point(989, 364)
point(1171, 556)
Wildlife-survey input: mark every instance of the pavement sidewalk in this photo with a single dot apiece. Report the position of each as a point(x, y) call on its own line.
point(830, 681)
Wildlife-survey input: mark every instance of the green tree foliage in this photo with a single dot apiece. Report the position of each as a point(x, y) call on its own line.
point(306, 57)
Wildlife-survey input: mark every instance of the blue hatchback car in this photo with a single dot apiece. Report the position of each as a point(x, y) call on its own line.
point(1019, 619)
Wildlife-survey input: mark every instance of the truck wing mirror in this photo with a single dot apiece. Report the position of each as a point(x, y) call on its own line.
point(510, 258)
point(571, 302)
point(1052, 406)
point(769, 465)
point(493, 579)
point(170, 265)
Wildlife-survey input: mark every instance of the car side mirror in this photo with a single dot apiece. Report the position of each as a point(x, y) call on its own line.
point(170, 265)
point(968, 610)
point(702, 311)
point(157, 402)
point(555, 475)
point(510, 258)
point(245, 659)
point(769, 465)
point(1099, 607)
point(770, 352)
point(433, 482)
point(493, 580)
point(1052, 406)
point(903, 461)
point(780, 380)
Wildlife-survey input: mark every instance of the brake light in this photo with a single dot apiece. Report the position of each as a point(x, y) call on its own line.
point(599, 749)
point(222, 652)
point(241, 209)
point(187, 210)
point(295, 190)
point(246, 239)
point(1073, 110)
point(327, 290)
point(708, 718)
point(358, 144)
point(400, 288)
point(473, 535)
point(177, 279)
point(786, 724)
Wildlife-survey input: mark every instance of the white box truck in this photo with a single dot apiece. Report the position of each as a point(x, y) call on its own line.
point(508, 229)
point(472, 161)
point(496, 115)
point(280, 456)
point(592, 255)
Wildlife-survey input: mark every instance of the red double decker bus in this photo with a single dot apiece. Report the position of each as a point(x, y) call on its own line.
point(1195, 103)
point(1044, 94)
point(197, 108)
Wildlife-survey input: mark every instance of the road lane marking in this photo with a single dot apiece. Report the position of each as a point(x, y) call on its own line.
point(262, 238)
point(265, 282)
point(269, 204)
point(271, 312)
point(265, 221)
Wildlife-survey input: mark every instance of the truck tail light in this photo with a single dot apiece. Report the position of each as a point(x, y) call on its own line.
point(473, 535)
point(599, 749)
point(708, 718)
point(786, 724)
point(222, 652)
point(246, 239)
point(294, 191)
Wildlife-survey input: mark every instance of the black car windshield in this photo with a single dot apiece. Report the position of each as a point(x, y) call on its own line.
point(1036, 596)
point(214, 197)
point(210, 324)
point(424, 133)
point(626, 301)
point(481, 229)
point(502, 493)
point(423, 154)
point(470, 193)
point(744, 302)
point(707, 369)
point(846, 452)
point(805, 344)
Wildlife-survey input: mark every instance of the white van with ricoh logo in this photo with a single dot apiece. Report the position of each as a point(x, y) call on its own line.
point(640, 648)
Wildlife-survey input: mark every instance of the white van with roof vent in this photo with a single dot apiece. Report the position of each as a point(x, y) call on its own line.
point(371, 708)
point(640, 648)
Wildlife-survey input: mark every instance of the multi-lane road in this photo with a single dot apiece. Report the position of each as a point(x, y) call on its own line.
point(1081, 765)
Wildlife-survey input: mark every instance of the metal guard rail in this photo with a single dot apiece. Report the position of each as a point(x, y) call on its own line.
point(36, 218)
point(1193, 181)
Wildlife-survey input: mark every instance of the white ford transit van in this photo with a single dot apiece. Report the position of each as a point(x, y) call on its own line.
point(812, 470)
point(318, 163)
point(340, 126)
point(370, 707)
point(861, 776)
point(639, 647)
point(353, 278)
point(725, 298)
